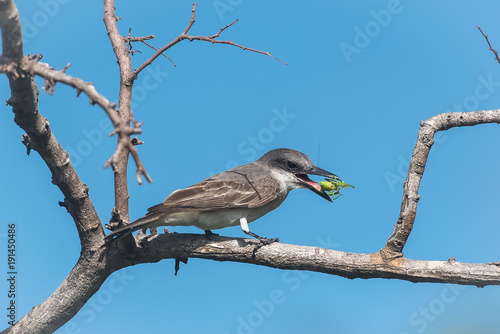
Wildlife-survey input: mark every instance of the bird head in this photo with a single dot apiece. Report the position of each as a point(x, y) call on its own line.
point(294, 167)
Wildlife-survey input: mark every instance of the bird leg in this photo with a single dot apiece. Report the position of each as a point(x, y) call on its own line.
point(246, 230)
point(209, 234)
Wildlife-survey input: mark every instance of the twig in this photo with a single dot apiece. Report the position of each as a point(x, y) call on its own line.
point(152, 47)
point(138, 39)
point(128, 41)
point(214, 41)
point(488, 41)
point(184, 35)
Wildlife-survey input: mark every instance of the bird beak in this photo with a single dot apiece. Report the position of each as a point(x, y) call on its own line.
point(315, 187)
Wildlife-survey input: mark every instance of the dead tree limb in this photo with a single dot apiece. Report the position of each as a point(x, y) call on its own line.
point(393, 249)
point(184, 35)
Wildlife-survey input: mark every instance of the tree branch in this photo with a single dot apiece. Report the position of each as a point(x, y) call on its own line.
point(394, 247)
point(24, 102)
point(124, 109)
point(89, 274)
point(184, 35)
point(12, 35)
point(316, 259)
point(495, 52)
point(83, 282)
point(138, 39)
point(122, 129)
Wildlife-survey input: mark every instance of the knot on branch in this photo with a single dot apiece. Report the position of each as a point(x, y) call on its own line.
point(115, 221)
point(10, 67)
point(26, 140)
point(387, 256)
point(135, 141)
point(64, 204)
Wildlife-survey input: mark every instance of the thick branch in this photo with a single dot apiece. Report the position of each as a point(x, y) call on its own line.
point(24, 102)
point(87, 276)
point(12, 35)
point(286, 256)
point(124, 109)
point(83, 282)
point(428, 128)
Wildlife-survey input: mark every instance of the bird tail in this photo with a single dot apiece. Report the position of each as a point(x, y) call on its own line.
point(143, 222)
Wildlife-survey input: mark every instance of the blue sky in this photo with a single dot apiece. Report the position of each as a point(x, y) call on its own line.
point(360, 78)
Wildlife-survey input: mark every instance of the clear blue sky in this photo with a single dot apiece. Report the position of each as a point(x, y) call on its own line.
point(360, 78)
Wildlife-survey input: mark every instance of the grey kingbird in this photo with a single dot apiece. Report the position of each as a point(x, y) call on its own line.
point(234, 197)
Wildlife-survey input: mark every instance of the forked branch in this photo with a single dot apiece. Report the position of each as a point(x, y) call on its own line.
point(184, 35)
point(393, 249)
point(121, 128)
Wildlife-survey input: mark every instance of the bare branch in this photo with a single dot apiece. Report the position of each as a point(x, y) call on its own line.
point(215, 41)
point(120, 158)
point(212, 39)
point(428, 128)
point(12, 36)
point(138, 39)
point(285, 256)
point(82, 282)
point(87, 276)
point(122, 129)
point(51, 76)
point(488, 41)
point(24, 102)
point(152, 47)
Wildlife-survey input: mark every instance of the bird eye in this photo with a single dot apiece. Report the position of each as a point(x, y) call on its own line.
point(291, 165)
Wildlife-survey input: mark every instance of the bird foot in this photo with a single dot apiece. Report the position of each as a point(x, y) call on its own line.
point(210, 234)
point(268, 241)
point(264, 242)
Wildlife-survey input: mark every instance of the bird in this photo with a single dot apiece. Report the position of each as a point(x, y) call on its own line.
point(235, 197)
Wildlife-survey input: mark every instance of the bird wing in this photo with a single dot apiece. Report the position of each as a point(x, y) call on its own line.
point(237, 188)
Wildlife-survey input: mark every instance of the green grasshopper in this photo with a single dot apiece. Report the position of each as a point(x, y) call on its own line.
point(332, 187)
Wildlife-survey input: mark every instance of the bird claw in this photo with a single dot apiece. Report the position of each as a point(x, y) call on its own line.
point(264, 242)
point(268, 241)
point(209, 234)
